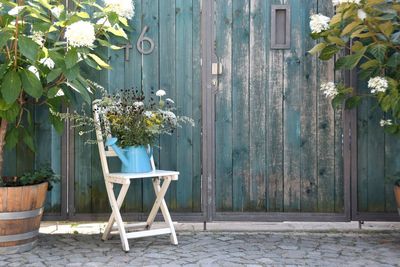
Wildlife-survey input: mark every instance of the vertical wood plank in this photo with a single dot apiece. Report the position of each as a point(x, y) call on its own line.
point(326, 131)
point(150, 75)
point(362, 153)
point(184, 82)
point(223, 108)
point(291, 110)
point(392, 164)
point(259, 21)
point(274, 124)
point(196, 107)
point(240, 104)
point(168, 152)
point(308, 172)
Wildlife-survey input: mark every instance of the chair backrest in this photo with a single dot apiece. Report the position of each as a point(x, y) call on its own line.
point(109, 152)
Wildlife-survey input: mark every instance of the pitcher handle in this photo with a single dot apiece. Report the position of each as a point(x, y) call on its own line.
point(150, 151)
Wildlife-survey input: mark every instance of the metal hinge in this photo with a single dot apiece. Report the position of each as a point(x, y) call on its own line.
point(216, 69)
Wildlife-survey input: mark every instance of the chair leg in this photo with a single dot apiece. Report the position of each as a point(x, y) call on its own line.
point(160, 197)
point(165, 213)
point(111, 221)
point(117, 214)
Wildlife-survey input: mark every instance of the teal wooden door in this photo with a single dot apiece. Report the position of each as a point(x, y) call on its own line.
point(278, 141)
point(174, 65)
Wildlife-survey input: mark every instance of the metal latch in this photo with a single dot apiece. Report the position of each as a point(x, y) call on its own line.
point(216, 69)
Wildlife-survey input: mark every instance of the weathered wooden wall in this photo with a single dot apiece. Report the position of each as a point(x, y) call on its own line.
point(174, 65)
point(278, 141)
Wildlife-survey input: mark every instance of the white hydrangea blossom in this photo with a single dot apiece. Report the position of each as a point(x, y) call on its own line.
point(1, 5)
point(16, 10)
point(160, 93)
point(378, 85)
point(170, 116)
point(124, 8)
point(56, 11)
point(48, 62)
point(319, 23)
point(338, 2)
point(361, 14)
point(38, 37)
point(34, 70)
point(384, 123)
point(80, 34)
point(329, 89)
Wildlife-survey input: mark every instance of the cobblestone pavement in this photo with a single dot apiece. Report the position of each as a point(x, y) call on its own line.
point(366, 248)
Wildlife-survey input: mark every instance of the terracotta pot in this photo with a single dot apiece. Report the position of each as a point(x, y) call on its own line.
point(397, 196)
point(21, 210)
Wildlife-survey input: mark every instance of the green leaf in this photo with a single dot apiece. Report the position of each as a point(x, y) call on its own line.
point(352, 102)
point(3, 69)
point(28, 140)
point(83, 15)
point(349, 28)
point(99, 61)
point(12, 138)
point(28, 47)
point(328, 52)
point(394, 60)
point(378, 51)
point(71, 58)
point(53, 92)
point(57, 123)
point(349, 62)
point(11, 86)
point(78, 87)
point(31, 84)
point(10, 113)
point(317, 48)
point(53, 74)
point(370, 64)
point(338, 101)
point(72, 73)
point(336, 40)
point(4, 38)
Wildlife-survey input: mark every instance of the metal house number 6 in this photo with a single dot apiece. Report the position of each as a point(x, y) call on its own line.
point(142, 39)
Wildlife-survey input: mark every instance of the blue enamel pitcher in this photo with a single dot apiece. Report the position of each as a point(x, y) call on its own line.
point(134, 158)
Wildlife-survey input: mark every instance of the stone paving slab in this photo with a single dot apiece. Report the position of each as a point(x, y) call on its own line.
point(366, 248)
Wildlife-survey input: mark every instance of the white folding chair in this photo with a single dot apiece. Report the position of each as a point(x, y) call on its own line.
point(125, 179)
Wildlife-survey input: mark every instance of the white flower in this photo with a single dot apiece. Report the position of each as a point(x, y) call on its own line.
point(170, 100)
point(384, 123)
point(16, 10)
point(138, 104)
point(1, 5)
point(148, 114)
point(378, 85)
point(104, 21)
point(338, 2)
point(56, 11)
point(60, 93)
point(80, 34)
point(48, 62)
point(80, 133)
point(34, 70)
point(329, 89)
point(38, 37)
point(123, 8)
point(361, 14)
point(160, 93)
point(319, 23)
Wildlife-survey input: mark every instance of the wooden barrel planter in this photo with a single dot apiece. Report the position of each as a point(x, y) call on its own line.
point(21, 210)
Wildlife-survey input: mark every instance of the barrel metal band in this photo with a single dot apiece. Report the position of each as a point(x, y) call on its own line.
point(20, 214)
point(17, 248)
point(18, 237)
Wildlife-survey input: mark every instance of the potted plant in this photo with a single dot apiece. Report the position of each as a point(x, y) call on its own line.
point(368, 31)
point(133, 124)
point(44, 49)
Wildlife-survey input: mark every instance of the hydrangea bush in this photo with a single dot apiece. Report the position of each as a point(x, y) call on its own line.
point(370, 30)
point(43, 50)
